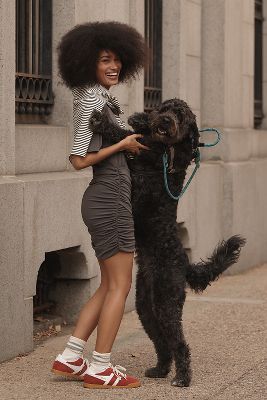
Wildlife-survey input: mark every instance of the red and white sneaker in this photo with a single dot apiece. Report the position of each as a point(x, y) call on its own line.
point(73, 369)
point(111, 378)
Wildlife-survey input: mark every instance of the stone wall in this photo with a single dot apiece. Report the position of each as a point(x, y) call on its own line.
point(208, 52)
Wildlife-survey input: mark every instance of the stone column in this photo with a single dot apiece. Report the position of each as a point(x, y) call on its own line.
point(228, 103)
point(227, 80)
point(14, 306)
point(182, 51)
point(228, 55)
point(7, 87)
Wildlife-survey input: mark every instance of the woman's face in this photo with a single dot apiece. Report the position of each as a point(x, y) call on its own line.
point(108, 68)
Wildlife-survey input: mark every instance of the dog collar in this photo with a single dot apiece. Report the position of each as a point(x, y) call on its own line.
point(165, 166)
point(171, 170)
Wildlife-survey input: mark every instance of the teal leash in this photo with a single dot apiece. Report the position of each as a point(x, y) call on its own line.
point(210, 130)
point(165, 166)
point(196, 159)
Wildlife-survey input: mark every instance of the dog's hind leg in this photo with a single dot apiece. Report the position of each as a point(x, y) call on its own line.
point(182, 360)
point(169, 300)
point(150, 324)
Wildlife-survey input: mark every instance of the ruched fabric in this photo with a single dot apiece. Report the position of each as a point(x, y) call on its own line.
point(107, 212)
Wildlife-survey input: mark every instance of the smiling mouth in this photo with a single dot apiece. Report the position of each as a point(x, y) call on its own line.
point(112, 75)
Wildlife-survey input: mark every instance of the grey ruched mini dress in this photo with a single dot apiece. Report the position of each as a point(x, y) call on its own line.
point(106, 204)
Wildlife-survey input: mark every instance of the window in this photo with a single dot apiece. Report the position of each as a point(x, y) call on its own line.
point(153, 72)
point(258, 79)
point(33, 59)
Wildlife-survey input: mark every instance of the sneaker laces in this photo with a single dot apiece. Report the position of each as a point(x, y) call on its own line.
point(117, 369)
point(86, 361)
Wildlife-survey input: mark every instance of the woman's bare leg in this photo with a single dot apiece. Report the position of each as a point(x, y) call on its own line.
point(89, 314)
point(119, 273)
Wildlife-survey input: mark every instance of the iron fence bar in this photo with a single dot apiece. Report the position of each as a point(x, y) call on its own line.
point(153, 35)
point(35, 36)
point(45, 39)
point(26, 33)
point(147, 69)
point(21, 10)
point(151, 44)
point(158, 46)
point(17, 35)
point(258, 64)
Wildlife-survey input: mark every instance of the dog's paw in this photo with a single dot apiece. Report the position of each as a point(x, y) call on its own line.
point(133, 119)
point(184, 382)
point(95, 119)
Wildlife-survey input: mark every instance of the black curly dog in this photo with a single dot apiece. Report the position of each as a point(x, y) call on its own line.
point(164, 267)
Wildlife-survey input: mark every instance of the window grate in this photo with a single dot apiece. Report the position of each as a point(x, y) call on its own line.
point(33, 80)
point(258, 64)
point(153, 36)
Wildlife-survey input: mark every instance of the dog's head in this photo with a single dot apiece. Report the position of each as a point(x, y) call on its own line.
point(172, 122)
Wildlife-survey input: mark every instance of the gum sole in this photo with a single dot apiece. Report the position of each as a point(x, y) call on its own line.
point(67, 375)
point(92, 386)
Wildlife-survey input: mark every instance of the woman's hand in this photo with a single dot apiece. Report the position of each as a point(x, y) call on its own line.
point(130, 144)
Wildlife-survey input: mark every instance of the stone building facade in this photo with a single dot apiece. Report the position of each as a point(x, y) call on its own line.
point(207, 60)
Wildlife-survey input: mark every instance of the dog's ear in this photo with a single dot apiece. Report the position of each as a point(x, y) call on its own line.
point(194, 134)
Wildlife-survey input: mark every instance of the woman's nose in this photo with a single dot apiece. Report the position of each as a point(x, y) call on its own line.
point(115, 64)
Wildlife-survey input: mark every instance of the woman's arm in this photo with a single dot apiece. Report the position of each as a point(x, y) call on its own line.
point(80, 162)
point(129, 144)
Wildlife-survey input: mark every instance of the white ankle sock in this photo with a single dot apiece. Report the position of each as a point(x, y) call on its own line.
point(100, 362)
point(74, 349)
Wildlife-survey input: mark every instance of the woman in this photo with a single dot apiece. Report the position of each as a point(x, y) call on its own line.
point(92, 58)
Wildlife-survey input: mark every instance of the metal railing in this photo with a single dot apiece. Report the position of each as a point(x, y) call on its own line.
point(33, 81)
point(258, 64)
point(153, 36)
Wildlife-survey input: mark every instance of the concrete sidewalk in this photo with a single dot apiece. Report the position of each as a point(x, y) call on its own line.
point(225, 328)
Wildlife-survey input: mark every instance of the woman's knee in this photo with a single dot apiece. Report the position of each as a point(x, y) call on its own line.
point(119, 272)
point(121, 287)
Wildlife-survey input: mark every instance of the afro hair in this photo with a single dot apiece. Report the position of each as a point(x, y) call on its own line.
point(78, 51)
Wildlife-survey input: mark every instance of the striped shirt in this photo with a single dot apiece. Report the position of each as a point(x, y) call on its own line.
point(85, 100)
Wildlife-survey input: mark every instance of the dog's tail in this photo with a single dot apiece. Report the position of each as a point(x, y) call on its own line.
point(200, 275)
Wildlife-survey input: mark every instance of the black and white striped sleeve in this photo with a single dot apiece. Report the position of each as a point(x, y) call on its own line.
point(82, 110)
